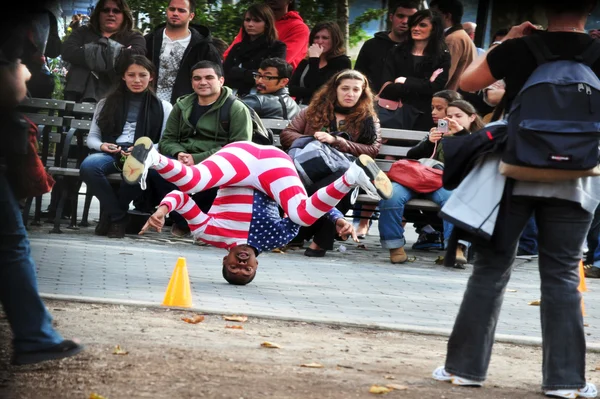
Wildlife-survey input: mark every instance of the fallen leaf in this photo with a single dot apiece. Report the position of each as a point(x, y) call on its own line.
point(271, 345)
point(378, 389)
point(536, 302)
point(119, 351)
point(277, 251)
point(439, 260)
point(240, 319)
point(389, 377)
point(193, 320)
point(511, 290)
point(235, 327)
point(586, 325)
point(597, 368)
point(344, 366)
point(397, 387)
point(361, 246)
point(312, 365)
point(96, 396)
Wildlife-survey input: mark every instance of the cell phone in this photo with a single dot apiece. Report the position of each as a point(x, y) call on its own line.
point(442, 126)
point(113, 147)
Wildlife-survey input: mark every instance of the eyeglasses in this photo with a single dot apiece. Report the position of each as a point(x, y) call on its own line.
point(108, 10)
point(258, 76)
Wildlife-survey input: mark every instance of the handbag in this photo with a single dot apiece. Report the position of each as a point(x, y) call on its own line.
point(315, 160)
point(416, 176)
point(394, 114)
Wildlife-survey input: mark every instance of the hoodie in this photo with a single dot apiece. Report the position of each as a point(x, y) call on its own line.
point(201, 47)
point(372, 56)
point(293, 32)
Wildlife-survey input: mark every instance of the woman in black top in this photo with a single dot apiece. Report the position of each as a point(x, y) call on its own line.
point(259, 41)
point(326, 56)
point(418, 68)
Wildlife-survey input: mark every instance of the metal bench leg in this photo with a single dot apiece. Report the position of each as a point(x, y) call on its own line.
point(86, 210)
point(73, 199)
point(26, 210)
point(64, 190)
point(37, 218)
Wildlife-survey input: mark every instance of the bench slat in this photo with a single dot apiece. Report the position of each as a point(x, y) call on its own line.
point(81, 124)
point(43, 103)
point(415, 203)
point(393, 150)
point(398, 134)
point(40, 119)
point(84, 108)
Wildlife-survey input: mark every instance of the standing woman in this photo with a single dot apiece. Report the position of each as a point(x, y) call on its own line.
point(95, 49)
point(131, 111)
point(343, 104)
point(259, 41)
point(418, 68)
point(326, 57)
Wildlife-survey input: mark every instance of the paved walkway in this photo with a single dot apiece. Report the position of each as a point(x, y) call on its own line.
point(358, 286)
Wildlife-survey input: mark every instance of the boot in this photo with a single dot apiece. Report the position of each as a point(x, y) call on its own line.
point(461, 259)
point(398, 255)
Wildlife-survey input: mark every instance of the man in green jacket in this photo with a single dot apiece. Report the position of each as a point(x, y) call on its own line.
point(194, 132)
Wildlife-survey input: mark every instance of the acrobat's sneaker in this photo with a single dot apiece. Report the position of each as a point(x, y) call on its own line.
point(589, 391)
point(365, 173)
point(441, 374)
point(142, 157)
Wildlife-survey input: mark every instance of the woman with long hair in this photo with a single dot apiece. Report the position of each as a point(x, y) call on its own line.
point(131, 111)
point(343, 105)
point(462, 119)
point(95, 49)
point(418, 68)
point(326, 56)
point(259, 41)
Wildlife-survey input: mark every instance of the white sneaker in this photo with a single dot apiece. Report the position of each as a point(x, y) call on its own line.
point(365, 173)
point(589, 391)
point(441, 374)
point(142, 157)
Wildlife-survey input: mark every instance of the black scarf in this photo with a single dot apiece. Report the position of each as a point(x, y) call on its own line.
point(149, 120)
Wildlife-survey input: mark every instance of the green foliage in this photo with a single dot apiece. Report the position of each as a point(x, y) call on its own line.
point(357, 33)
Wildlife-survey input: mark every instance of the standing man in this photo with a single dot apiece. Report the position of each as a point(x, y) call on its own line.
point(470, 28)
point(175, 46)
point(462, 49)
point(291, 30)
point(194, 132)
point(272, 100)
point(373, 53)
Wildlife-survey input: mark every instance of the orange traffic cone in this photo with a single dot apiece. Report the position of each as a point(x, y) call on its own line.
point(582, 286)
point(179, 293)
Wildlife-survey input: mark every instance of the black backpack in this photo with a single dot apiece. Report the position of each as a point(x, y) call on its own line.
point(260, 134)
point(554, 121)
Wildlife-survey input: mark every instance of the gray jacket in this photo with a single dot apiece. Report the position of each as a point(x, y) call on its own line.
point(273, 106)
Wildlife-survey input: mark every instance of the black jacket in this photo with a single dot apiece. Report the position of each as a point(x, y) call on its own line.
point(80, 79)
point(201, 47)
point(268, 106)
point(417, 90)
point(249, 54)
point(372, 56)
point(315, 77)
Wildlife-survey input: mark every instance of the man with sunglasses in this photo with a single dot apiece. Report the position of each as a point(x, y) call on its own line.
point(272, 99)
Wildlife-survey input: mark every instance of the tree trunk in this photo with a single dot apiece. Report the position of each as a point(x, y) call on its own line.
point(343, 13)
point(384, 22)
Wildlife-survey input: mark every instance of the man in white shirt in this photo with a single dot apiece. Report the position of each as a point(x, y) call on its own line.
point(177, 45)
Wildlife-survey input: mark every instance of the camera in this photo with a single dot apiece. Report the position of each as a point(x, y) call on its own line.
point(442, 126)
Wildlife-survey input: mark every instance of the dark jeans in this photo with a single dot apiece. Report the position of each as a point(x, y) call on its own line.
point(528, 241)
point(161, 187)
point(593, 241)
point(563, 226)
point(323, 231)
point(94, 170)
point(29, 319)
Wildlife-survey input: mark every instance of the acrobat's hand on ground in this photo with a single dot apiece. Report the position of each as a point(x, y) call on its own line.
point(156, 220)
point(345, 229)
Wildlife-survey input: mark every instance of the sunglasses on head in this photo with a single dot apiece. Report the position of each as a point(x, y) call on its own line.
point(108, 10)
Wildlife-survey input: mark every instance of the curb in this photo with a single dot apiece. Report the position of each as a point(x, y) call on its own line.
point(593, 347)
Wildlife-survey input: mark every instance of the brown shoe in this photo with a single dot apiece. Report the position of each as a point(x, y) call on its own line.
point(461, 259)
point(117, 229)
point(398, 255)
point(591, 271)
point(177, 231)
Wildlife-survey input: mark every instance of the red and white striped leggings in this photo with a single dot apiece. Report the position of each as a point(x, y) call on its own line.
point(265, 168)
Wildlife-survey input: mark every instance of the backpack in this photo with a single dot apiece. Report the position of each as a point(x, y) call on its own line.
point(260, 134)
point(554, 122)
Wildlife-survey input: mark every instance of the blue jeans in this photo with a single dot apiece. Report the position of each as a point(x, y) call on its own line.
point(93, 171)
point(528, 241)
point(391, 232)
point(29, 319)
point(563, 226)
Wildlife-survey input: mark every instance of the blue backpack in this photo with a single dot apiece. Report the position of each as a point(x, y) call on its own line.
point(554, 121)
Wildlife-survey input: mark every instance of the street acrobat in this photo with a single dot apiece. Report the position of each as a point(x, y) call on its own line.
point(253, 181)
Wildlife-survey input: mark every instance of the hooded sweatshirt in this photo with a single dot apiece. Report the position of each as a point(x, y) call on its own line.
point(372, 56)
point(293, 32)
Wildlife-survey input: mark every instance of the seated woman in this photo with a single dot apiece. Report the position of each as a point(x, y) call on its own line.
point(326, 56)
point(259, 41)
point(462, 119)
point(343, 104)
point(412, 70)
point(131, 111)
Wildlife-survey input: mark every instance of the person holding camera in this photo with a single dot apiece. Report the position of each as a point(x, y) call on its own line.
point(461, 119)
point(131, 111)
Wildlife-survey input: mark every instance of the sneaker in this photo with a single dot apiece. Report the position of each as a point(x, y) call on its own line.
point(142, 157)
point(591, 271)
point(461, 259)
point(365, 173)
point(398, 255)
point(589, 391)
point(429, 241)
point(66, 348)
point(441, 374)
